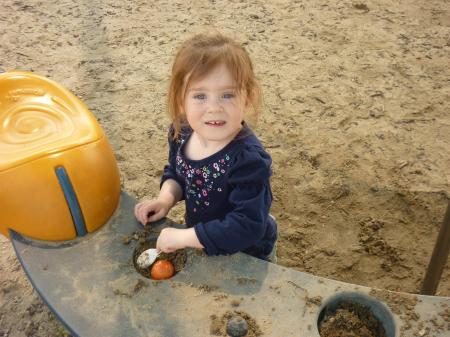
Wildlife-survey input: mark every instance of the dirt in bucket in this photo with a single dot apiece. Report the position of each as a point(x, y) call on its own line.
point(351, 320)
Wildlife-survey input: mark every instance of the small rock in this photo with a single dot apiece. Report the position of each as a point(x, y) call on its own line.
point(237, 327)
point(235, 303)
point(362, 7)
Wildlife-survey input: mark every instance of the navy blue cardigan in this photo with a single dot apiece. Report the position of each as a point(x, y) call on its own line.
point(227, 195)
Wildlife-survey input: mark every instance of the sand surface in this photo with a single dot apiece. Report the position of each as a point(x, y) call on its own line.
point(356, 118)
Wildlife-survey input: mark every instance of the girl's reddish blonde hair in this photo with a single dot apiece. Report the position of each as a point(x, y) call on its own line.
point(199, 55)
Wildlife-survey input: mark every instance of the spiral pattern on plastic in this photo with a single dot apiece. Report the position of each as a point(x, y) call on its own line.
point(35, 122)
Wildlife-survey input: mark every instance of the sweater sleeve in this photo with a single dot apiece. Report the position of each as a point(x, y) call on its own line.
point(250, 198)
point(169, 171)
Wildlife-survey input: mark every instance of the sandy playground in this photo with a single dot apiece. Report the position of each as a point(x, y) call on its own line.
point(356, 118)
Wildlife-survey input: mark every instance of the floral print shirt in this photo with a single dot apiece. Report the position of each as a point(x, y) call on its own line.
point(227, 195)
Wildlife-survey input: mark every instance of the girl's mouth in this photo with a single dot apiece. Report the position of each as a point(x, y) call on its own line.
point(215, 123)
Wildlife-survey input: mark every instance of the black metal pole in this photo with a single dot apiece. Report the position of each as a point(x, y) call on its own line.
point(439, 258)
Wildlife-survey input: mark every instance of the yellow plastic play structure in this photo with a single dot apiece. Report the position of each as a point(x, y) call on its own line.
point(58, 175)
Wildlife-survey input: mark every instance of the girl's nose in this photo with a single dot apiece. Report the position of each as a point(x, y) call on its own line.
point(215, 105)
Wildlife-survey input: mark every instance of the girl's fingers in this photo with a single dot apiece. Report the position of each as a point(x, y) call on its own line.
point(136, 210)
point(150, 215)
point(148, 211)
point(160, 245)
point(142, 214)
point(164, 250)
point(155, 215)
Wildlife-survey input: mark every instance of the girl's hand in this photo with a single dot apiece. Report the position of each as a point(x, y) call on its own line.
point(172, 239)
point(151, 210)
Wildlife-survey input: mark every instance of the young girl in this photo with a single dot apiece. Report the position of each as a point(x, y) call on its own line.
point(216, 163)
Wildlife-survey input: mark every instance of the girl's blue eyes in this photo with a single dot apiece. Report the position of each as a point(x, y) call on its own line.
point(200, 96)
point(228, 95)
point(224, 96)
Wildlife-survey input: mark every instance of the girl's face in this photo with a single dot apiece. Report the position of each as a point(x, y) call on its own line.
point(214, 109)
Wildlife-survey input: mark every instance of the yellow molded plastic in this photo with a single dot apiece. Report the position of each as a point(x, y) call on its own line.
point(44, 126)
